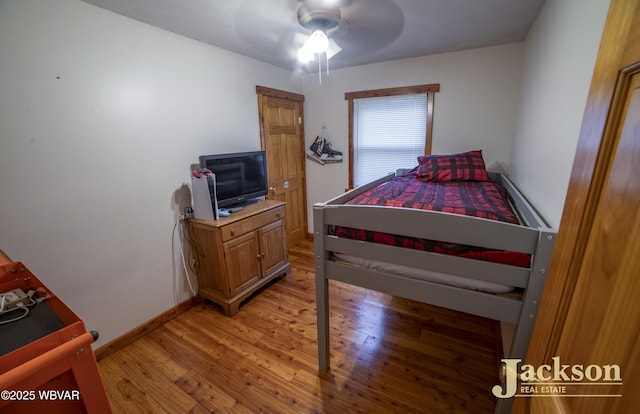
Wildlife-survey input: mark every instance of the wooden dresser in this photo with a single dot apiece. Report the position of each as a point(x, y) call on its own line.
point(242, 252)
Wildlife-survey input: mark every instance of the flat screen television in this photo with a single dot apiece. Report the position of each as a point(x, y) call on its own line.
point(240, 177)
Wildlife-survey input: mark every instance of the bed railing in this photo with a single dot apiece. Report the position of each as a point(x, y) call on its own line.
point(533, 237)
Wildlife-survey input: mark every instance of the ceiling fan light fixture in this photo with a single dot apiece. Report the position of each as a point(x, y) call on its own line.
point(317, 42)
point(305, 54)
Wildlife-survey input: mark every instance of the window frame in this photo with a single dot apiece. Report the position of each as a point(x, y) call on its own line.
point(429, 89)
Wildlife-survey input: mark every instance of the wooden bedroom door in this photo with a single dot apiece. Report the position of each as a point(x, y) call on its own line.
point(590, 314)
point(282, 137)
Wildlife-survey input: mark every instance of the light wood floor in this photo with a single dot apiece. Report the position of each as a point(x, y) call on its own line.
point(388, 355)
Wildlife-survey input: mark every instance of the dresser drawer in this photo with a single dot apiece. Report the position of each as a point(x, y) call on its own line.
point(251, 223)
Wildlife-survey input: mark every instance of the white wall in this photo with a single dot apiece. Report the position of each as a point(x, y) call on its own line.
point(560, 53)
point(100, 119)
point(476, 107)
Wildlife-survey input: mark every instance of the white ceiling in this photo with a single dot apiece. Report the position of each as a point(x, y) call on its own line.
point(375, 30)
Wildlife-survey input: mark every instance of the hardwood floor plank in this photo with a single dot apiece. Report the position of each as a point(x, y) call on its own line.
point(226, 325)
point(432, 376)
point(209, 397)
point(153, 381)
point(233, 382)
point(338, 393)
point(247, 350)
point(196, 337)
point(148, 351)
point(388, 355)
point(124, 395)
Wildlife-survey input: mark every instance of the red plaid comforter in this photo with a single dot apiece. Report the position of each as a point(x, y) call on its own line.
point(484, 199)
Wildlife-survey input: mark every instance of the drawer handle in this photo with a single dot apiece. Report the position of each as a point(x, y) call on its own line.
point(278, 214)
point(233, 232)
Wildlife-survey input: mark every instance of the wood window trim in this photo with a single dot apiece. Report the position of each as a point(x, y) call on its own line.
point(429, 89)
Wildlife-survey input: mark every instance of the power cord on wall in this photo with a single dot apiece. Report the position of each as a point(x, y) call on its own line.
point(185, 233)
point(181, 248)
point(194, 265)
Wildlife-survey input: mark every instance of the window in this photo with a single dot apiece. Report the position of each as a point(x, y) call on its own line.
point(388, 129)
point(388, 133)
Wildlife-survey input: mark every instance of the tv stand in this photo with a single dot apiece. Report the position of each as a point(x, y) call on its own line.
point(240, 206)
point(243, 252)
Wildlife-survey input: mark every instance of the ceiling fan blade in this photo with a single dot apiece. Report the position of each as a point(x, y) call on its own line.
point(333, 49)
point(371, 25)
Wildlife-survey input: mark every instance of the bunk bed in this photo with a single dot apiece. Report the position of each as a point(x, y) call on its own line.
point(382, 246)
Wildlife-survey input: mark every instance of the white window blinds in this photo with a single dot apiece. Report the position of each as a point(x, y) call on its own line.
point(389, 132)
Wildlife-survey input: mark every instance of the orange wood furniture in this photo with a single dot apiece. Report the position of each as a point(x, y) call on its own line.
point(4, 259)
point(56, 373)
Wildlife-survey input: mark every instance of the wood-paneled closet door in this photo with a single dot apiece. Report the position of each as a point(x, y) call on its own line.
point(282, 137)
point(590, 312)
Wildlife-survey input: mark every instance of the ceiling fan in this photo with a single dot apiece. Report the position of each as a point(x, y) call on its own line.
point(320, 17)
point(341, 30)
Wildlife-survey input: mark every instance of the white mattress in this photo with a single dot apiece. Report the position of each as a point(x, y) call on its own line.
point(412, 272)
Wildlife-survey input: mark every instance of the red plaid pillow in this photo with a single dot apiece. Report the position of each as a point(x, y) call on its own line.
point(467, 166)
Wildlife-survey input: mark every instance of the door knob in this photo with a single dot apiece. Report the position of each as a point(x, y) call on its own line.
point(272, 190)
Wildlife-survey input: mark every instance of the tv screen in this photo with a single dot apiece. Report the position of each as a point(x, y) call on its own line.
point(240, 177)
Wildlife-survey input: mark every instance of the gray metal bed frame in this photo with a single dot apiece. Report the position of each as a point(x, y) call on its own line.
point(532, 236)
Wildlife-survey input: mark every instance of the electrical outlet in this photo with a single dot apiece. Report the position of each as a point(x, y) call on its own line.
point(12, 299)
